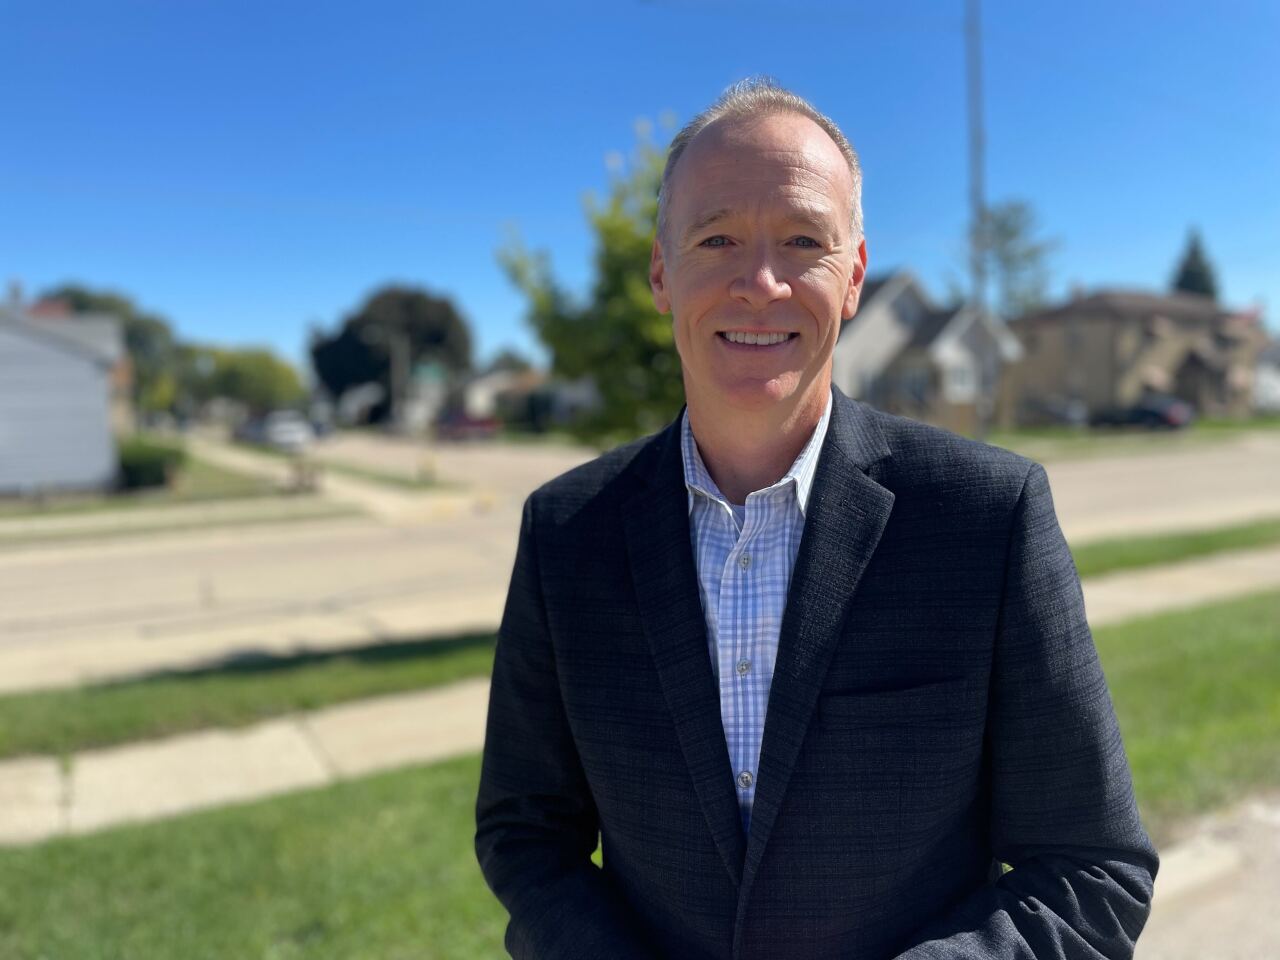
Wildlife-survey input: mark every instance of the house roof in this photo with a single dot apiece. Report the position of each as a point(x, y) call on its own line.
point(1135, 304)
point(930, 326)
point(99, 340)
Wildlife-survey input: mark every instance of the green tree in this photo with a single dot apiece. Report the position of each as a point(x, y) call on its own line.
point(510, 360)
point(1195, 274)
point(148, 339)
point(616, 337)
point(257, 378)
point(393, 330)
point(1017, 260)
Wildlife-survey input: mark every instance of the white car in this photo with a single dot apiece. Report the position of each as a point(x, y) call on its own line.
point(287, 430)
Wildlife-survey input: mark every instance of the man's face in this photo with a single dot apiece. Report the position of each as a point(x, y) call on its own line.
point(757, 247)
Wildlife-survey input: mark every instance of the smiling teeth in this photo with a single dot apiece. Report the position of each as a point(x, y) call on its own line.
point(764, 339)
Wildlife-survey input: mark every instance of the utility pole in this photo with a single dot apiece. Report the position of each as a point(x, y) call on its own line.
point(977, 198)
point(987, 375)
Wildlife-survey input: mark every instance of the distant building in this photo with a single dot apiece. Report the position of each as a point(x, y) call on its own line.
point(1266, 380)
point(1110, 349)
point(56, 388)
point(904, 354)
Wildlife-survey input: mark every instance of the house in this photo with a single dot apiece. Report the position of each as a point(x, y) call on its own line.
point(1112, 348)
point(904, 354)
point(1266, 380)
point(55, 404)
point(101, 332)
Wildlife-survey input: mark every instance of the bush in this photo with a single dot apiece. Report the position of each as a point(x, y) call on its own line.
point(148, 463)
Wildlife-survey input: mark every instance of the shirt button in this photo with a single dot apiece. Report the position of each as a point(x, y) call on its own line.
point(744, 667)
point(745, 779)
point(744, 561)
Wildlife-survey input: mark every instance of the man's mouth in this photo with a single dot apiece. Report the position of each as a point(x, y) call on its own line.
point(756, 339)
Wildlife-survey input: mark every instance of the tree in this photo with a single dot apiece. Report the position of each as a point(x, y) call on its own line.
point(616, 337)
point(1195, 274)
point(1017, 261)
point(508, 360)
point(258, 379)
point(403, 324)
point(148, 339)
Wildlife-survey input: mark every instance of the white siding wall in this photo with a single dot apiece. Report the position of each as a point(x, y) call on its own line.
point(55, 428)
point(868, 344)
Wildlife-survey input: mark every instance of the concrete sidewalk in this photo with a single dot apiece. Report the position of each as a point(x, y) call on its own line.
point(40, 798)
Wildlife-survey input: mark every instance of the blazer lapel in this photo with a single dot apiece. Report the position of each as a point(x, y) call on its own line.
point(666, 582)
point(846, 514)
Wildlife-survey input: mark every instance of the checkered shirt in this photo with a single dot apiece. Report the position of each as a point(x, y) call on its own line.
point(745, 556)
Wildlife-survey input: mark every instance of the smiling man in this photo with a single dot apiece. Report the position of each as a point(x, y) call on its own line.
point(809, 674)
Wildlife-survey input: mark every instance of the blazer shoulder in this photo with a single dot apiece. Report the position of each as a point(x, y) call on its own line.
point(925, 459)
point(610, 478)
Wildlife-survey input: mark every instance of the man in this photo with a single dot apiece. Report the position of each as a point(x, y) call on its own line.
point(810, 672)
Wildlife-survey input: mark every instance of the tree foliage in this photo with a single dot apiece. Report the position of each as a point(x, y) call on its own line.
point(1016, 259)
point(358, 352)
point(1195, 274)
point(616, 337)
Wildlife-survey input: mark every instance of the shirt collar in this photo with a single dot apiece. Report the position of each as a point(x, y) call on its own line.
point(697, 479)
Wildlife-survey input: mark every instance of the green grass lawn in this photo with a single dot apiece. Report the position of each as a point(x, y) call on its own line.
point(380, 867)
point(1108, 556)
point(1045, 444)
point(198, 482)
point(402, 481)
point(1198, 698)
point(64, 721)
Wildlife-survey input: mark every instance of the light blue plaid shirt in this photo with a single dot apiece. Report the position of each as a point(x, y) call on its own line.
point(745, 556)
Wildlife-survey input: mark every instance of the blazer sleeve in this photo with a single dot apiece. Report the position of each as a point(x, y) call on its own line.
point(1062, 810)
point(536, 823)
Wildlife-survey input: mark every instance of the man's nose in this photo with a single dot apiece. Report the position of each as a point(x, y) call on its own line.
point(758, 282)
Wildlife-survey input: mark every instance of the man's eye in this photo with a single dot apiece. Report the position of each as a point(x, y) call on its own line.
point(716, 241)
point(806, 242)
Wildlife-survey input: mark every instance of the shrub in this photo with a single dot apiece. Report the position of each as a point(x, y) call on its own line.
point(148, 463)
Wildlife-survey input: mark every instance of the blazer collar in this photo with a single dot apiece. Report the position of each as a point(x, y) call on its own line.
point(847, 512)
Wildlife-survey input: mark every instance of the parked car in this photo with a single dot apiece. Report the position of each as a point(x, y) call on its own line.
point(1154, 413)
point(460, 427)
point(285, 430)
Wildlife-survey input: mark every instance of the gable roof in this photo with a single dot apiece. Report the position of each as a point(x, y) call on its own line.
point(101, 343)
point(1135, 304)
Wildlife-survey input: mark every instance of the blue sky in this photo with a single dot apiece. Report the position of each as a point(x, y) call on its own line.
point(251, 169)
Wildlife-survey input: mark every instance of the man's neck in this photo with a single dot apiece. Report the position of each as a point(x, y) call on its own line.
point(745, 452)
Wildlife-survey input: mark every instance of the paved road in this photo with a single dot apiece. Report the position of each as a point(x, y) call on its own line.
point(99, 608)
point(70, 612)
point(1189, 488)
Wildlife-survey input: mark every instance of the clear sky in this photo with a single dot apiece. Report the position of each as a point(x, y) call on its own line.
point(248, 169)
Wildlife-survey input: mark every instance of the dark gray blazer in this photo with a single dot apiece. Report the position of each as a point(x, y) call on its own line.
point(937, 709)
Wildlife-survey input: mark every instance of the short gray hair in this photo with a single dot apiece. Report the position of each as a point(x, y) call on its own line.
point(753, 98)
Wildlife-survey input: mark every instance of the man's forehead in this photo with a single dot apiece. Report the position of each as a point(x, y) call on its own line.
point(787, 158)
point(779, 138)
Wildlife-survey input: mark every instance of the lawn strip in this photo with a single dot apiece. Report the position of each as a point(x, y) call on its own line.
point(377, 867)
point(197, 482)
point(321, 511)
point(1127, 553)
point(240, 693)
point(1196, 696)
point(402, 481)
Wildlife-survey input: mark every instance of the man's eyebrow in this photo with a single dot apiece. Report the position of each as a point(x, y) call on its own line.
point(704, 221)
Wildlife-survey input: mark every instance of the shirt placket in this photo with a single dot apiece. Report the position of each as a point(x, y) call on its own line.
point(736, 656)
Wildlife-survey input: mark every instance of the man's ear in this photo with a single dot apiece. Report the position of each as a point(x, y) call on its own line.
point(658, 278)
point(850, 306)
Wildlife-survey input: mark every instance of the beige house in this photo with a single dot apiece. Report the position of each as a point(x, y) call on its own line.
point(904, 354)
point(1111, 349)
